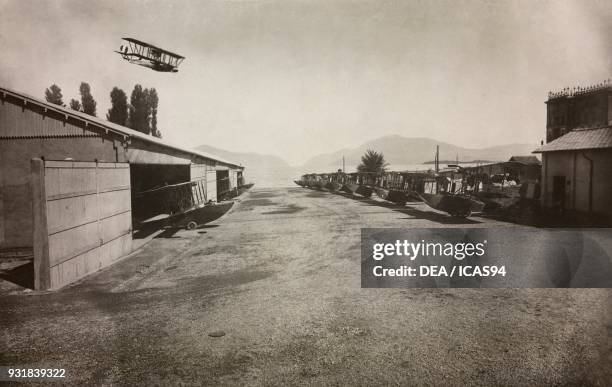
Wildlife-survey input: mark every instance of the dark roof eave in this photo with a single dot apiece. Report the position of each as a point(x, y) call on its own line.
point(567, 150)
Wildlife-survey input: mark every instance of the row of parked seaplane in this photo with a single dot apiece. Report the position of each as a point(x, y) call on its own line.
point(399, 187)
point(460, 192)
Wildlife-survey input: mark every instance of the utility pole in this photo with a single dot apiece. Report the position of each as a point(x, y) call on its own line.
point(437, 168)
point(343, 170)
point(437, 161)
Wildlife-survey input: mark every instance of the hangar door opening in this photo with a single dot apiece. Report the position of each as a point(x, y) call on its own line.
point(147, 177)
point(223, 184)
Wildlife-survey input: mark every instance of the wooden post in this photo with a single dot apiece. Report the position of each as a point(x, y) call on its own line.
point(544, 203)
point(42, 275)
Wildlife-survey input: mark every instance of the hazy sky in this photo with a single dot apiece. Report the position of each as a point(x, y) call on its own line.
point(298, 78)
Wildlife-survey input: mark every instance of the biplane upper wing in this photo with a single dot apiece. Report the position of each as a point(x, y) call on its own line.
point(145, 44)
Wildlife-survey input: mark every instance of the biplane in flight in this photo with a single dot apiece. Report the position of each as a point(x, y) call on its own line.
point(147, 55)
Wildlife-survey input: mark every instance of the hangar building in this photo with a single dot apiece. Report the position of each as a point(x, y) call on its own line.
point(577, 158)
point(69, 182)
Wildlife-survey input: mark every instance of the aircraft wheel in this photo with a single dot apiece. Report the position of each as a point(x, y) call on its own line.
point(191, 225)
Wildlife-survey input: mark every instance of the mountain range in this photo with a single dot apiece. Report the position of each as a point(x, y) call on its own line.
point(263, 170)
point(402, 153)
point(410, 152)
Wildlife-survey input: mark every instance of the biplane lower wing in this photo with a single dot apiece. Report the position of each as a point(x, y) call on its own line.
point(145, 62)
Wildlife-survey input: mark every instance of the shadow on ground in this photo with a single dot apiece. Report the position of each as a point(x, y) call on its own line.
point(288, 209)
point(411, 211)
point(22, 275)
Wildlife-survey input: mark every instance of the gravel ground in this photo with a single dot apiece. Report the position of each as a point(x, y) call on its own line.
point(270, 295)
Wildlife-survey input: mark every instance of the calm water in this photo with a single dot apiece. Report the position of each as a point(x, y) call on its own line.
point(270, 177)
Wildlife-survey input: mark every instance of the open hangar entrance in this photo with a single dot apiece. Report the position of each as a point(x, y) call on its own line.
point(145, 177)
point(223, 183)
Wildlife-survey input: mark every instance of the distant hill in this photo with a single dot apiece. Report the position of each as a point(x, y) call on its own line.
point(402, 153)
point(263, 170)
point(460, 162)
point(409, 152)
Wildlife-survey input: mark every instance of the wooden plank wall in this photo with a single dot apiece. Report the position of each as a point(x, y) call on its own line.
point(233, 175)
point(2, 213)
point(89, 218)
point(198, 174)
point(40, 234)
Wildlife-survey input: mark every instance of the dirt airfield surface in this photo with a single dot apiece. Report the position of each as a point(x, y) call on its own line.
point(270, 295)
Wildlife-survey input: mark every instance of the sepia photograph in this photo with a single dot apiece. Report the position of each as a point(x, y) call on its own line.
point(306, 192)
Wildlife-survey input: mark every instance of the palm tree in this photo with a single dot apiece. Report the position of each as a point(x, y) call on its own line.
point(372, 161)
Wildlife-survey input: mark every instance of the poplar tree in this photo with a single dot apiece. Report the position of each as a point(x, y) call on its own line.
point(87, 100)
point(118, 113)
point(139, 110)
point(153, 101)
point(54, 95)
point(75, 105)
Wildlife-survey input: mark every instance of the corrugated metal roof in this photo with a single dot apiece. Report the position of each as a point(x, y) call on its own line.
point(525, 160)
point(580, 139)
point(111, 126)
point(17, 123)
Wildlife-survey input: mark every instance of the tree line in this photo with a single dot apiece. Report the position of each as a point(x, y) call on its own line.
point(139, 114)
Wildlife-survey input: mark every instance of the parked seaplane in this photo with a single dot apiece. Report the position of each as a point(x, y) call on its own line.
point(147, 55)
point(178, 205)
